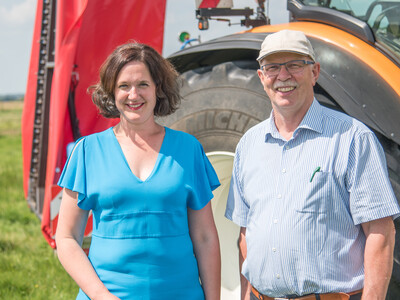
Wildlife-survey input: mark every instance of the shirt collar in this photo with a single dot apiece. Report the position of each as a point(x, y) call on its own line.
point(313, 118)
point(312, 121)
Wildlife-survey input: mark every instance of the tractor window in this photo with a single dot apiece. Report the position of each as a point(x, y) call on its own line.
point(381, 16)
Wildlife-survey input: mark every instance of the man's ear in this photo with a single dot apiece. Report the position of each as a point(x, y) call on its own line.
point(315, 72)
point(260, 74)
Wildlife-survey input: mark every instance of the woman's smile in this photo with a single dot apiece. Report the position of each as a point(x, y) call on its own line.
point(135, 94)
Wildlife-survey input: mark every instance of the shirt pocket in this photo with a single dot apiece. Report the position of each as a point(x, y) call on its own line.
point(315, 194)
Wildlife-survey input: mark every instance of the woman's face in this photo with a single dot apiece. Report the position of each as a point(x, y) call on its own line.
point(135, 94)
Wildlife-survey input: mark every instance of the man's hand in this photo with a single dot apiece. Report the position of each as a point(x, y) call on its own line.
point(245, 286)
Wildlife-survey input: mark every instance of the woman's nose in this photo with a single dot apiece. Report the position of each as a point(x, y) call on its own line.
point(132, 93)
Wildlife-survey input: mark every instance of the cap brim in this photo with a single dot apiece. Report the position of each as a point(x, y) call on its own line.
point(287, 50)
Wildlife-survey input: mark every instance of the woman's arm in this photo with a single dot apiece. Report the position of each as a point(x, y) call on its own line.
point(70, 230)
point(206, 247)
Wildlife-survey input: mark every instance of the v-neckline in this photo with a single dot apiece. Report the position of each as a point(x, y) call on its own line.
point(155, 167)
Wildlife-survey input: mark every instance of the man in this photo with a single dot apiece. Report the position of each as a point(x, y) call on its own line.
point(310, 191)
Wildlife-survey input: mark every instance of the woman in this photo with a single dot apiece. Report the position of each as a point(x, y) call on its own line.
point(148, 187)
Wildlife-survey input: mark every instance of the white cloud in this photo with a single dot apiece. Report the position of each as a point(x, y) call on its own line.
point(18, 14)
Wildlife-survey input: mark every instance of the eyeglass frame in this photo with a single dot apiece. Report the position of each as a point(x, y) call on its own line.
point(305, 62)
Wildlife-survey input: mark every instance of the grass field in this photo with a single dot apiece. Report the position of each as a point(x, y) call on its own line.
point(29, 268)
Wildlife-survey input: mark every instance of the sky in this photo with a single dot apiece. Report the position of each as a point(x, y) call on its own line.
point(16, 30)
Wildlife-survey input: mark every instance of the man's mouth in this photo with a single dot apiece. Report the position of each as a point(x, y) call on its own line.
point(285, 89)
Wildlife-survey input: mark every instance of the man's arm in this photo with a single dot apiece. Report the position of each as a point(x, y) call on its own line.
point(378, 257)
point(244, 284)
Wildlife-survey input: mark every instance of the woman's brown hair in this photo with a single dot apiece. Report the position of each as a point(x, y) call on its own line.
point(161, 70)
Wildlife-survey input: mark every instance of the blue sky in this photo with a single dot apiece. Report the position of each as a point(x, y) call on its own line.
point(17, 19)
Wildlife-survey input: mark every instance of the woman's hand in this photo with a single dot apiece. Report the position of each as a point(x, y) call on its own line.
point(70, 230)
point(106, 296)
point(206, 248)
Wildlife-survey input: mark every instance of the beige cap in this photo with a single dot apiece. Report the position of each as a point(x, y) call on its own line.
point(286, 41)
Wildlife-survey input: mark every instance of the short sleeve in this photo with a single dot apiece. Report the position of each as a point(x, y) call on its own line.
point(205, 181)
point(371, 194)
point(73, 177)
point(236, 207)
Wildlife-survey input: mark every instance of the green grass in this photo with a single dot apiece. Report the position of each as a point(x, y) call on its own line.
point(29, 268)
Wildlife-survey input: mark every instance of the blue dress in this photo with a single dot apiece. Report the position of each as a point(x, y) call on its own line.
point(141, 248)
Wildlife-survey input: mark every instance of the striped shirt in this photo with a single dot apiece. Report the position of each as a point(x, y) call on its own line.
point(302, 202)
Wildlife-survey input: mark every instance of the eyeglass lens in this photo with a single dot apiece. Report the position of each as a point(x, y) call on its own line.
point(293, 67)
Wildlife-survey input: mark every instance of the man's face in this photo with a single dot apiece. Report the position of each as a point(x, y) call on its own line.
point(289, 92)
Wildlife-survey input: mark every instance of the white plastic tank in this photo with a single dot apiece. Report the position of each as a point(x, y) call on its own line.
point(214, 4)
point(228, 232)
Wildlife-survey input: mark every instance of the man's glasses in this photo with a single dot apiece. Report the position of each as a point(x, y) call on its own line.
point(293, 67)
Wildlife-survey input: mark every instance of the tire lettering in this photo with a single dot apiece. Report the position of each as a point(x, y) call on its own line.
point(216, 120)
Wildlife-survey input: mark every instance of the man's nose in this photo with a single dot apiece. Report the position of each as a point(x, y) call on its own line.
point(283, 73)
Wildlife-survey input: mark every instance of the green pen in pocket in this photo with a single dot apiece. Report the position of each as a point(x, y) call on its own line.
point(317, 169)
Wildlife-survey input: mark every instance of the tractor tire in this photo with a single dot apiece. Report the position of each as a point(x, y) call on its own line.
point(392, 152)
point(220, 103)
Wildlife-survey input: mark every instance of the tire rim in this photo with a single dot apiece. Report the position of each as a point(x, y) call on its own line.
point(228, 232)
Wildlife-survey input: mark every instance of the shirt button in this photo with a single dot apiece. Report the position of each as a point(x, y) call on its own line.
point(283, 170)
point(275, 221)
point(274, 249)
point(279, 196)
point(287, 147)
point(278, 276)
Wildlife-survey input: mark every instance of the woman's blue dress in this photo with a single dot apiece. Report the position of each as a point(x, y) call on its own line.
point(141, 248)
